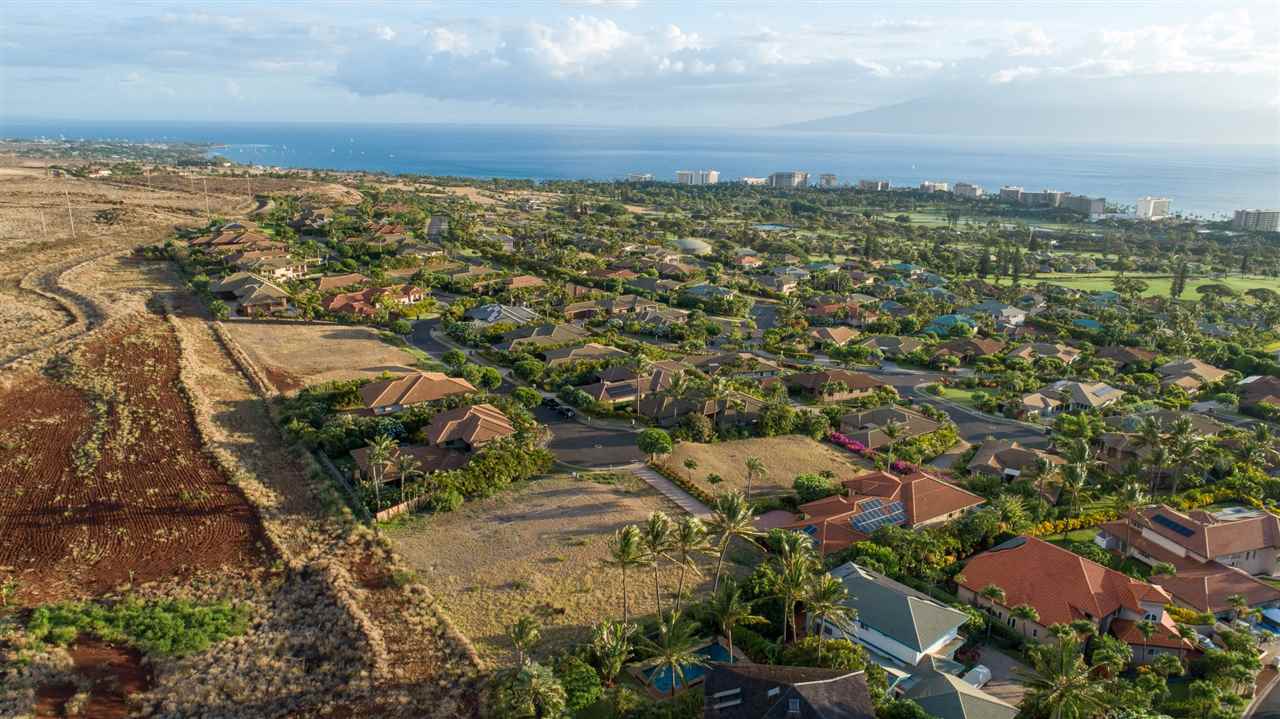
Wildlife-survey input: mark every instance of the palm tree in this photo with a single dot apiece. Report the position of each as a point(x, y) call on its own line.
point(824, 601)
point(755, 470)
point(380, 450)
point(655, 537)
point(537, 693)
point(1059, 684)
point(892, 431)
point(994, 595)
point(1026, 613)
point(787, 576)
point(687, 542)
point(626, 551)
point(1157, 460)
point(675, 647)
point(730, 517)
point(730, 609)
point(524, 635)
point(406, 466)
point(1147, 629)
point(679, 389)
point(1188, 455)
point(1044, 468)
point(611, 643)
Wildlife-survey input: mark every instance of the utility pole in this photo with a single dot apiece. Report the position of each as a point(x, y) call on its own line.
point(70, 217)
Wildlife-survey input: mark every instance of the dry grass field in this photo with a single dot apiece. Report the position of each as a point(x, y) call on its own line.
point(783, 457)
point(293, 356)
point(537, 550)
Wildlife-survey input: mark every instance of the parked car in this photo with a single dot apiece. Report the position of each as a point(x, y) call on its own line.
point(978, 676)
point(566, 412)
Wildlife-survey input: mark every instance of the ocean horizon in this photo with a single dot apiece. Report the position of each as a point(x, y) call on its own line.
point(1204, 180)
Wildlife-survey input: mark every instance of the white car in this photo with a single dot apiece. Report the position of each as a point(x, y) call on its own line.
point(978, 676)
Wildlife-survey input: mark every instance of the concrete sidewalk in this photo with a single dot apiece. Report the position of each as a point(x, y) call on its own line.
point(669, 489)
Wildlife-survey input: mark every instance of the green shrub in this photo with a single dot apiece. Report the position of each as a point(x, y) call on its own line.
point(446, 500)
point(581, 683)
point(810, 487)
point(165, 628)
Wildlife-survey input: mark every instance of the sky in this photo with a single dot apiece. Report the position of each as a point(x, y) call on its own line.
point(629, 62)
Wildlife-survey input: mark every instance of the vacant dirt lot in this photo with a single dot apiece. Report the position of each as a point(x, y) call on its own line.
point(783, 457)
point(538, 550)
point(104, 480)
point(295, 355)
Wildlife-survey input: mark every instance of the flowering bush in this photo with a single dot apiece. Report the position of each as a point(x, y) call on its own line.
point(901, 467)
point(850, 444)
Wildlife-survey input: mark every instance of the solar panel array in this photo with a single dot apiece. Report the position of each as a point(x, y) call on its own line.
point(1167, 523)
point(873, 518)
point(810, 530)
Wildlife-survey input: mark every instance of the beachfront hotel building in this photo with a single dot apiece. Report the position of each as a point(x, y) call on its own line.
point(1264, 220)
point(640, 177)
point(874, 185)
point(1091, 206)
point(790, 179)
point(1011, 193)
point(931, 186)
point(697, 177)
point(828, 180)
point(1153, 208)
point(964, 189)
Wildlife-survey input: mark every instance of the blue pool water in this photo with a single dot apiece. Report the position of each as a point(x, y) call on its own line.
point(660, 677)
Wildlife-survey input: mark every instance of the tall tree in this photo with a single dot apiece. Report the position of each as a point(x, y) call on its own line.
point(824, 601)
point(626, 551)
point(675, 648)
point(755, 470)
point(731, 517)
point(524, 635)
point(688, 542)
point(611, 643)
point(731, 609)
point(1059, 683)
point(655, 537)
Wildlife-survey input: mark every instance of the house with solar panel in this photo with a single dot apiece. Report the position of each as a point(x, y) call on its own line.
point(1217, 553)
point(899, 626)
point(874, 500)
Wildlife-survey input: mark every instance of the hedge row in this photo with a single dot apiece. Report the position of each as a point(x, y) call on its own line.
point(682, 482)
point(1060, 526)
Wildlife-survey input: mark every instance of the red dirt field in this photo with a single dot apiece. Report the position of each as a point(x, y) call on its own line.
point(103, 480)
point(112, 674)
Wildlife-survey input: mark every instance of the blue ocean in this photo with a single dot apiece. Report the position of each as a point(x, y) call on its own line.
point(1202, 180)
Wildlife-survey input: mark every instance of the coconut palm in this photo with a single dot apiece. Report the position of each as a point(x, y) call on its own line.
point(380, 451)
point(1147, 629)
point(787, 576)
point(688, 541)
point(755, 470)
point(892, 431)
point(994, 595)
point(656, 539)
point(1059, 685)
point(406, 466)
point(730, 609)
point(1025, 612)
point(824, 601)
point(730, 517)
point(678, 390)
point(533, 691)
point(524, 636)
point(675, 648)
point(611, 643)
point(626, 551)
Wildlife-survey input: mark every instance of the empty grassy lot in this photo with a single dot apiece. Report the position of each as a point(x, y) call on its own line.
point(296, 355)
point(783, 457)
point(539, 550)
point(1157, 285)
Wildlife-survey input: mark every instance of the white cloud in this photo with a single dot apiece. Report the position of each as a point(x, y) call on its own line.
point(1014, 73)
point(385, 32)
point(233, 89)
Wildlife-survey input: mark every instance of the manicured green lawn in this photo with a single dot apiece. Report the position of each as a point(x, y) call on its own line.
point(1078, 535)
point(1158, 285)
point(963, 397)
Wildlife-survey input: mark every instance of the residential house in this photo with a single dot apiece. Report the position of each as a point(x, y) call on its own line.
point(251, 295)
point(589, 352)
point(770, 691)
point(1069, 396)
point(661, 318)
point(330, 283)
point(708, 291)
point(1001, 314)
point(676, 271)
point(469, 427)
point(429, 459)
point(653, 285)
point(782, 284)
point(612, 307)
point(1189, 374)
point(1127, 357)
point(532, 338)
point(1034, 350)
point(867, 426)
point(393, 395)
point(365, 302)
point(421, 250)
point(619, 384)
point(1257, 390)
point(892, 346)
point(492, 314)
point(874, 500)
point(1063, 587)
point(893, 308)
point(1008, 459)
point(947, 696)
point(737, 364)
point(614, 273)
point(841, 311)
point(838, 336)
point(1216, 553)
point(833, 385)
point(279, 267)
point(736, 410)
point(946, 325)
point(894, 621)
point(748, 262)
point(968, 349)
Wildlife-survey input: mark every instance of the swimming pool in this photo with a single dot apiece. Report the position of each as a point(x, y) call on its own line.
point(660, 677)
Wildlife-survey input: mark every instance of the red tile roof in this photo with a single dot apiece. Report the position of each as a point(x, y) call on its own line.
point(413, 389)
point(475, 425)
point(1062, 585)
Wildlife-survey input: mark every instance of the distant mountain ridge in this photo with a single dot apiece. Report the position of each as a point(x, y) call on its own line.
point(1068, 118)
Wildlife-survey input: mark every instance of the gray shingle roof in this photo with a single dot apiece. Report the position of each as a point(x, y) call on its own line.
point(897, 611)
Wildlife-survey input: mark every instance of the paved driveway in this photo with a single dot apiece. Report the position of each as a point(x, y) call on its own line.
point(588, 445)
point(1004, 684)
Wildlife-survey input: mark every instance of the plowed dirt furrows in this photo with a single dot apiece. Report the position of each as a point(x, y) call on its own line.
point(109, 483)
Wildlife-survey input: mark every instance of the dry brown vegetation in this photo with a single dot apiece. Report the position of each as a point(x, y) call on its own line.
point(337, 630)
point(537, 550)
point(783, 458)
point(296, 355)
